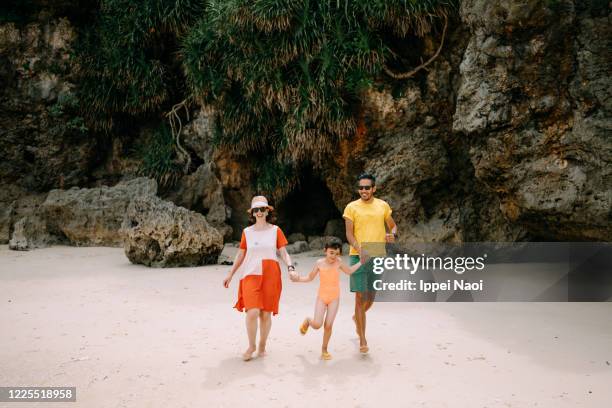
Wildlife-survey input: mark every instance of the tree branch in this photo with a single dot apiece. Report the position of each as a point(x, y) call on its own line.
point(173, 117)
point(409, 74)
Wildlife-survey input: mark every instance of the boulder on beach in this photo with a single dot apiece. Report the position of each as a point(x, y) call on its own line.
point(78, 216)
point(295, 237)
point(316, 242)
point(158, 233)
point(31, 232)
point(298, 247)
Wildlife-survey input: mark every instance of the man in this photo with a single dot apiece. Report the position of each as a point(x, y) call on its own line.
point(365, 220)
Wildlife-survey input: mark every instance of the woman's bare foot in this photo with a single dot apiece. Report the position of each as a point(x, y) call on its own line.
point(248, 354)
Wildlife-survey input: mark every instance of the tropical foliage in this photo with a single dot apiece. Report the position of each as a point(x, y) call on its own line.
point(159, 158)
point(126, 58)
point(285, 76)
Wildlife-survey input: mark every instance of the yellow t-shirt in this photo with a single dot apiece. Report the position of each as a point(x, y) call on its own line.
point(368, 223)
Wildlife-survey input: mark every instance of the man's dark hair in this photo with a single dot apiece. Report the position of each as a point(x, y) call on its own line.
point(334, 243)
point(367, 176)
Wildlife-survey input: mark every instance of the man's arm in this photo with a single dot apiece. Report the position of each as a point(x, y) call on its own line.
point(350, 236)
point(392, 226)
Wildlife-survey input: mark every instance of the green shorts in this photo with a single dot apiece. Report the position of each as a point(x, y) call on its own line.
point(362, 280)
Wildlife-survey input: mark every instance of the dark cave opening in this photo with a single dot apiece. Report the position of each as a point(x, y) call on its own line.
point(308, 208)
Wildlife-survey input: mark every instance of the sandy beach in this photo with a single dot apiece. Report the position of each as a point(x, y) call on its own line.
point(130, 336)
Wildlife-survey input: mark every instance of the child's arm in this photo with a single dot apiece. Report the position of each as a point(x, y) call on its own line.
point(349, 269)
point(311, 275)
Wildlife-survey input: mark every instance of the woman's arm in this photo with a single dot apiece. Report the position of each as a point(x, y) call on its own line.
point(285, 256)
point(310, 276)
point(287, 259)
point(237, 262)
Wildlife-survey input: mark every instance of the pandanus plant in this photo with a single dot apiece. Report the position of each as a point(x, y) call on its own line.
point(286, 75)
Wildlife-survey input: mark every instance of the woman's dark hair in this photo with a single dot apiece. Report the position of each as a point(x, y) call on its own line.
point(367, 176)
point(271, 217)
point(334, 243)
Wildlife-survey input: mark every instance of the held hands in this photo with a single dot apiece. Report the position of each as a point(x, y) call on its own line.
point(293, 275)
point(389, 237)
point(363, 256)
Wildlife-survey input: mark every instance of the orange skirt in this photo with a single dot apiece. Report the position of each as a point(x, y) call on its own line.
point(261, 291)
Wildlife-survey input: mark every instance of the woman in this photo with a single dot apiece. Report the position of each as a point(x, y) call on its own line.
point(260, 283)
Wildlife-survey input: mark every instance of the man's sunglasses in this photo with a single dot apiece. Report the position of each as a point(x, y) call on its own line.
point(258, 209)
point(367, 188)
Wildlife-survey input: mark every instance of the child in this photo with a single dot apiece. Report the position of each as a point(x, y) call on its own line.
point(327, 301)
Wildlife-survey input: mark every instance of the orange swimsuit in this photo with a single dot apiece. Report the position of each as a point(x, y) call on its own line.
point(329, 287)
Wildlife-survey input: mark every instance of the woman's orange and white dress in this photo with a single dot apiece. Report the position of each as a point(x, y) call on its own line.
point(260, 284)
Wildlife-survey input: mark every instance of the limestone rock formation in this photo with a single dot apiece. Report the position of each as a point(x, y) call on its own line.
point(535, 99)
point(202, 191)
point(93, 216)
point(295, 237)
point(504, 137)
point(315, 242)
point(43, 144)
point(158, 233)
point(336, 228)
point(219, 186)
point(31, 232)
point(298, 247)
point(80, 217)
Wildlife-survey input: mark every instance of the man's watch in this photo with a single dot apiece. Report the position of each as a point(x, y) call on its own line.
point(291, 267)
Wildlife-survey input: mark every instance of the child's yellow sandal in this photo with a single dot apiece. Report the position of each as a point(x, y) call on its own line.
point(304, 327)
point(326, 356)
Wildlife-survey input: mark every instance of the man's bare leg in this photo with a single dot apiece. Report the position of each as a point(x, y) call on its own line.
point(360, 321)
point(367, 305)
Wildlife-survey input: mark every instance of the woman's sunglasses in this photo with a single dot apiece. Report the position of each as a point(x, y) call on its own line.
point(258, 209)
point(367, 188)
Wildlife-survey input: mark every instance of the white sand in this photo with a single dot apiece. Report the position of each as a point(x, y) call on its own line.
point(130, 336)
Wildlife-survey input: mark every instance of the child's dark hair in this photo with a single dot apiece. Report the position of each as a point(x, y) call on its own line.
point(334, 243)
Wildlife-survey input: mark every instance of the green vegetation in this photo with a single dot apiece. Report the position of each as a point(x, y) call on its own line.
point(67, 106)
point(285, 76)
point(159, 160)
point(126, 57)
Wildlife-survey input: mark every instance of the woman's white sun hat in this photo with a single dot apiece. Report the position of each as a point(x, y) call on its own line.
point(258, 202)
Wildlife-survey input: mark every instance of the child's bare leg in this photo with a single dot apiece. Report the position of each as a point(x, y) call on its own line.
point(317, 321)
point(265, 324)
point(332, 310)
point(251, 325)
